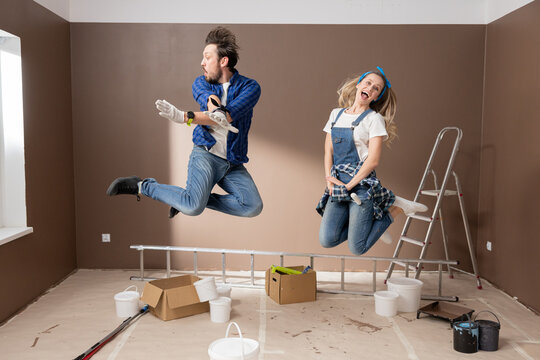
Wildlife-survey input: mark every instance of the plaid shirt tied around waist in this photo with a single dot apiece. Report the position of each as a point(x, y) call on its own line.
point(382, 197)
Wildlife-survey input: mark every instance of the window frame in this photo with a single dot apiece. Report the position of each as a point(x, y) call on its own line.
point(13, 216)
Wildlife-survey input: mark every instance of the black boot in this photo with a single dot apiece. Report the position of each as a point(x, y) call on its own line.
point(125, 185)
point(173, 212)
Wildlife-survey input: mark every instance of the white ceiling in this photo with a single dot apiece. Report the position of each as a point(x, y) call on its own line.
point(285, 11)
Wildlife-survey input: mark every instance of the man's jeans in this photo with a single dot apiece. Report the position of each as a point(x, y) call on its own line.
point(204, 171)
point(345, 220)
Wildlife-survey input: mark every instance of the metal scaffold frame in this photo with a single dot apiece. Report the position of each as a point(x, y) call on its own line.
point(282, 255)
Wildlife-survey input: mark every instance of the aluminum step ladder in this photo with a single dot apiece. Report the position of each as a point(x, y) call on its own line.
point(437, 212)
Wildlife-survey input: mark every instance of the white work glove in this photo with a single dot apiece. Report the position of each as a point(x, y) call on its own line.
point(169, 111)
point(221, 119)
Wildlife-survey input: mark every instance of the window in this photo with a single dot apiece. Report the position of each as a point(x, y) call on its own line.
point(12, 178)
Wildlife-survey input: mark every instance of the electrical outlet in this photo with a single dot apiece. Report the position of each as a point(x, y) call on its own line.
point(488, 245)
point(105, 237)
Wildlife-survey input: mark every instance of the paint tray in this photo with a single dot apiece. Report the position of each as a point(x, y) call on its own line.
point(446, 311)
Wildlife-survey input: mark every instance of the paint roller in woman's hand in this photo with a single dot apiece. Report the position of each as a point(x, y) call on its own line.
point(356, 199)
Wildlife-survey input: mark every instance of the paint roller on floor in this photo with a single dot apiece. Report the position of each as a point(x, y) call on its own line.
point(95, 348)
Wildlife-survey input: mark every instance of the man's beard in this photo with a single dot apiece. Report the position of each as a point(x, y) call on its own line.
point(214, 79)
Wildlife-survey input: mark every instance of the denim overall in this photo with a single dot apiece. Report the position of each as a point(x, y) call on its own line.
point(345, 220)
point(344, 148)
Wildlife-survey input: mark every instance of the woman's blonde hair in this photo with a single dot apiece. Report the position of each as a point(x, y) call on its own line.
point(386, 105)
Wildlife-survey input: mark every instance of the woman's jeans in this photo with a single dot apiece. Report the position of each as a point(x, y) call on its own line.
point(204, 171)
point(346, 220)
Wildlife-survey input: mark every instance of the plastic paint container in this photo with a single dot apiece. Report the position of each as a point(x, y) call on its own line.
point(466, 337)
point(488, 332)
point(234, 348)
point(220, 309)
point(409, 291)
point(206, 289)
point(127, 302)
point(224, 290)
point(386, 303)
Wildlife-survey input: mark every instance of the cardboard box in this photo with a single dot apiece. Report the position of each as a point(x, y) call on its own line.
point(289, 289)
point(174, 297)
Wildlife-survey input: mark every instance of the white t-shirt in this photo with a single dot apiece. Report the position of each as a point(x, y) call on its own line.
point(219, 133)
point(372, 125)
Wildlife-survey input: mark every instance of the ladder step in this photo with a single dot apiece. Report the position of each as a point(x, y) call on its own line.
point(437, 192)
point(400, 263)
point(412, 241)
point(421, 217)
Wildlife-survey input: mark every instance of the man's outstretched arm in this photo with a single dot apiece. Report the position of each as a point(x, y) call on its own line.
point(169, 111)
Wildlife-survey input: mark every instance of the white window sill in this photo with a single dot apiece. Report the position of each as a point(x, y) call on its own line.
point(8, 234)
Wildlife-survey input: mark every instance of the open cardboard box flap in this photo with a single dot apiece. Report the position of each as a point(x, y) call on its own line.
point(151, 294)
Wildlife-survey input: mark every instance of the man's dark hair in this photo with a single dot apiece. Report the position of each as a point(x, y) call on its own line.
point(225, 41)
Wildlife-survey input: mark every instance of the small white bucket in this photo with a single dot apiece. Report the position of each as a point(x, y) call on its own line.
point(386, 303)
point(224, 290)
point(409, 291)
point(220, 309)
point(206, 289)
point(127, 302)
point(234, 348)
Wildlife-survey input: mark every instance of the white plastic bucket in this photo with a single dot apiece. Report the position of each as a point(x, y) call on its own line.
point(127, 302)
point(234, 348)
point(206, 289)
point(224, 290)
point(409, 291)
point(386, 303)
point(220, 309)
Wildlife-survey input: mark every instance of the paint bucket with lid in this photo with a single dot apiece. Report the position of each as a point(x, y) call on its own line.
point(466, 336)
point(386, 303)
point(239, 348)
point(220, 309)
point(127, 302)
point(409, 291)
point(206, 289)
point(488, 332)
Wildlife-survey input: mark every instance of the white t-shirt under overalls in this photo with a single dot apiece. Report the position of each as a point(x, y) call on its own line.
point(372, 125)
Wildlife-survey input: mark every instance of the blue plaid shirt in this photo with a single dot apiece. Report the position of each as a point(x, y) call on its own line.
point(242, 95)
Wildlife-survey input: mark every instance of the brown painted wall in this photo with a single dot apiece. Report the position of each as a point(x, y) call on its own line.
point(508, 200)
point(31, 264)
point(119, 70)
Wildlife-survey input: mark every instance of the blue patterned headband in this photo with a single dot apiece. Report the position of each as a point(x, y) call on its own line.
point(386, 84)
